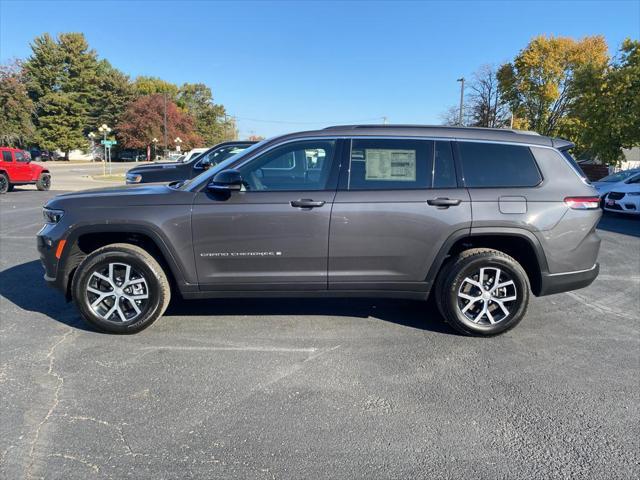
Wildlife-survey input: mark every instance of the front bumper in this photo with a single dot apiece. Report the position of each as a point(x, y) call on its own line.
point(47, 246)
point(627, 204)
point(564, 282)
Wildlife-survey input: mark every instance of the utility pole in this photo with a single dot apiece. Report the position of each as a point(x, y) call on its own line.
point(461, 80)
point(165, 124)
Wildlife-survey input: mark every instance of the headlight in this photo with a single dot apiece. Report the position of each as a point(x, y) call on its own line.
point(52, 216)
point(134, 178)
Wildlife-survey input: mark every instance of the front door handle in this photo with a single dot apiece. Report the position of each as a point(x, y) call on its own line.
point(444, 202)
point(307, 203)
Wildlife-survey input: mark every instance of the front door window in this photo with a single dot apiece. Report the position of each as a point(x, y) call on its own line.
point(299, 166)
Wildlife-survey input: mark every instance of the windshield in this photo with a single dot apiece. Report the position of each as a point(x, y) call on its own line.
point(219, 167)
point(618, 177)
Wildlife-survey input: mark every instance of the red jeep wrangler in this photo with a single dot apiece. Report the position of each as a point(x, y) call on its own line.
point(16, 169)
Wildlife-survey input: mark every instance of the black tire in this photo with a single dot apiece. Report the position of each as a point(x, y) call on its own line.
point(143, 266)
point(11, 187)
point(455, 279)
point(44, 182)
point(5, 185)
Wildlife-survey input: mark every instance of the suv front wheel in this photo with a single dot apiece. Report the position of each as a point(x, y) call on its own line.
point(120, 288)
point(483, 292)
point(5, 185)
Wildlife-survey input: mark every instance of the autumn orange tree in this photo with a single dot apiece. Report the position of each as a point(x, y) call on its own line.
point(144, 119)
point(539, 84)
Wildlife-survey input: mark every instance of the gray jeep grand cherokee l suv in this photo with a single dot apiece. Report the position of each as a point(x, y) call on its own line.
point(477, 217)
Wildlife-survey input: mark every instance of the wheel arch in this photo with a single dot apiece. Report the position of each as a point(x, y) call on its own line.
point(84, 240)
point(519, 243)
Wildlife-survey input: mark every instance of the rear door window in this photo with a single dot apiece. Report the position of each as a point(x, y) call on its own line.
point(390, 164)
point(498, 165)
point(6, 156)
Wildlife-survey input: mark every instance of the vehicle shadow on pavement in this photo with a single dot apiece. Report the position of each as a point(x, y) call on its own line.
point(620, 223)
point(408, 313)
point(24, 286)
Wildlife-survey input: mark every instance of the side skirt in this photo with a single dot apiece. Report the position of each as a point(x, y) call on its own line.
point(407, 295)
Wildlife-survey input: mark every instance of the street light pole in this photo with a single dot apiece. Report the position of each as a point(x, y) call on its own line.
point(104, 129)
point(461, 80)
point(92, 137)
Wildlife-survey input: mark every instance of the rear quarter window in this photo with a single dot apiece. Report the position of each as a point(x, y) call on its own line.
point(498, 165)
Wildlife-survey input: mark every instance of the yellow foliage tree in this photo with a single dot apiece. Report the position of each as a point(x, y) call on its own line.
point(539, 84)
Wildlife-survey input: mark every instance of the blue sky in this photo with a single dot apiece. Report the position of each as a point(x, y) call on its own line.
point(286, 66)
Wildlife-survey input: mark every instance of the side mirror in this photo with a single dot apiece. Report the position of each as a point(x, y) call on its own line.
point(204, 164)
point(226, 180)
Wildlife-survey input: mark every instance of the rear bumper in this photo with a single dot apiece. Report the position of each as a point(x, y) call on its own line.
point(563, 282)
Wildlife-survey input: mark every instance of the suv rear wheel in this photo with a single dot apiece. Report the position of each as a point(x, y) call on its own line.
point(120, 288)
point(483, 292)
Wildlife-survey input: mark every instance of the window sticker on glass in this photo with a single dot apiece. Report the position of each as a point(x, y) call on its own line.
point(390, 164)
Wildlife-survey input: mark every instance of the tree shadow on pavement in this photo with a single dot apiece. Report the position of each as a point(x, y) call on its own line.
point(24, 286)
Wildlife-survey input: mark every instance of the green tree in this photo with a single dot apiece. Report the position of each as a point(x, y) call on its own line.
point(62, 81)
point(114, 92)
point(152, 85)
point(539, 84)
point(211, 121)
point(607, 109)
point(16, 108)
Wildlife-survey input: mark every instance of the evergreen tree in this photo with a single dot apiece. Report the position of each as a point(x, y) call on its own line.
point(210, 119)
point(62, 81)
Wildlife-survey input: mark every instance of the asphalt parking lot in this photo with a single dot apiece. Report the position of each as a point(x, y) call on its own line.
point(318, 388)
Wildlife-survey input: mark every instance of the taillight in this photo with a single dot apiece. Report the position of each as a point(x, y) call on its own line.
point(583, 203)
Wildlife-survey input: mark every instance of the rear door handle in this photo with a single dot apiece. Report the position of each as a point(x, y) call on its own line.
point(307, 203)
point(444, 202)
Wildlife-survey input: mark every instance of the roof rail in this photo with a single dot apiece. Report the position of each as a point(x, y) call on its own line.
point(439, 127)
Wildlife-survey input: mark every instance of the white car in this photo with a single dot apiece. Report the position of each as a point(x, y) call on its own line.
point(624, 197)
point(194, 152)
point(606, 184)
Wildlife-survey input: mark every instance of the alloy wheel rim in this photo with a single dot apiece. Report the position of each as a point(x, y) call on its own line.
point(3, 183)
point(117, 292)
point(487, 296)
point(46, 181)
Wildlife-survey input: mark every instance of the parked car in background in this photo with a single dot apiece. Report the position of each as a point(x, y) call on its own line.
point(174, 157)
point(184, 170)
point(605, 184)
point(191, 154)
point(16, 169)
point(38, 155)
point(131, 156)
point(481, 218)
point(624, 197)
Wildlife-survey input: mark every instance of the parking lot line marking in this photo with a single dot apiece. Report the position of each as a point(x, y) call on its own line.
point(232, 349)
